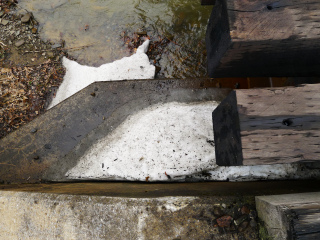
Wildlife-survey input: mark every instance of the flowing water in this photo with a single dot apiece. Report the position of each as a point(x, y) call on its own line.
point(103, 24)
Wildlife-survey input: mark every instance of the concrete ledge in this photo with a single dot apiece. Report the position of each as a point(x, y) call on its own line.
point(51, 216)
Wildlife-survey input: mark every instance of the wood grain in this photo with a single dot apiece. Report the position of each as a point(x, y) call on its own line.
point(277, 125)
point(305, 221)
point(264, 38)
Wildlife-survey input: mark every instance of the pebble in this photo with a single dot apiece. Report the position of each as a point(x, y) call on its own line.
point(50, 54)
point(33, 130)
point(4, 21)
point(19, 43)
point(224, 221)
point(245, 210)
point(56, 45)
point(1, 13)
point(223, 205)
point(34, 30)
point(26, 18)
point(239, 220)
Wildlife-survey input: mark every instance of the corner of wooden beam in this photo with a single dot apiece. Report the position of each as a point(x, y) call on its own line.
point(226, 125)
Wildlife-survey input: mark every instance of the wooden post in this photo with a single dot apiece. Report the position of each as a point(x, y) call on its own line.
point(259, 38)
point(276, 125)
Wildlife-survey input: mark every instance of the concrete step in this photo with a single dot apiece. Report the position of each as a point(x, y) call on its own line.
point(136, 211)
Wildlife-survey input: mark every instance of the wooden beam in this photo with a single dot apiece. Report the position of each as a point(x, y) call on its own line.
point(291, 216)
point(276, 125)
point(259, 38)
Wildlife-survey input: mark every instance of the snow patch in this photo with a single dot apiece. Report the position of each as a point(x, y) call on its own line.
point(78, 76)
point(157, 143)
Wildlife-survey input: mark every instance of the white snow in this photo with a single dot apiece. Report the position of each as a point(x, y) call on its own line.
point(78, 76)
point(165, 139)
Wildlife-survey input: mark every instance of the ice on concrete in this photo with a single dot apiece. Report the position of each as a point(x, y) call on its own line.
point(157, 143)
point(78, 76)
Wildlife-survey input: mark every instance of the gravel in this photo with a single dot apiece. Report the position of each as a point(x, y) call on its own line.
point(30, 69)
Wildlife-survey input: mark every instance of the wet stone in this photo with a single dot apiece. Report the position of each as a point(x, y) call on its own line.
point(19, 43)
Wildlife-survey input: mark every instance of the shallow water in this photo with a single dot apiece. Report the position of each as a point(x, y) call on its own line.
point(103, 23)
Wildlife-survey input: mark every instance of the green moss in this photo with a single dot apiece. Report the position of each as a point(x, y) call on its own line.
point(263, 233)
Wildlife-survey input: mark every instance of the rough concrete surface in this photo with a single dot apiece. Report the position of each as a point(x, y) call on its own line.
point(272, 210)
point(27, 215)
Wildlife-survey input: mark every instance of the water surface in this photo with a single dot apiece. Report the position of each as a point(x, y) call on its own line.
point(104, 23)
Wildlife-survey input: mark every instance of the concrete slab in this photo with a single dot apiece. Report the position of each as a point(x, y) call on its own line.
point(52, 216)
point(279, 211)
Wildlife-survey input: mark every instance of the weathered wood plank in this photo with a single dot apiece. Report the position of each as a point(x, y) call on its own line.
point(291, 216)
point(279, 125)
point(227, 131)
point(264, 38)
point(306, 221)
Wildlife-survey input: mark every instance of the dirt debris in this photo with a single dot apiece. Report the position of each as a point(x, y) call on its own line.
point(30, 69)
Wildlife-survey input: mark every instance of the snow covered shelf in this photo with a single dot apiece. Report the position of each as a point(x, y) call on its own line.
point(268, 126)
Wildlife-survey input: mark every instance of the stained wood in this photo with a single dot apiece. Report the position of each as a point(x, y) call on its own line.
point(247, 38)
point(227, 132)
point(276, 125)
point(291, 216)
point(304, 221)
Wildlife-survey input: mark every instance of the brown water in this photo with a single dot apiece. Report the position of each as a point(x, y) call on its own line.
point(102, 23)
